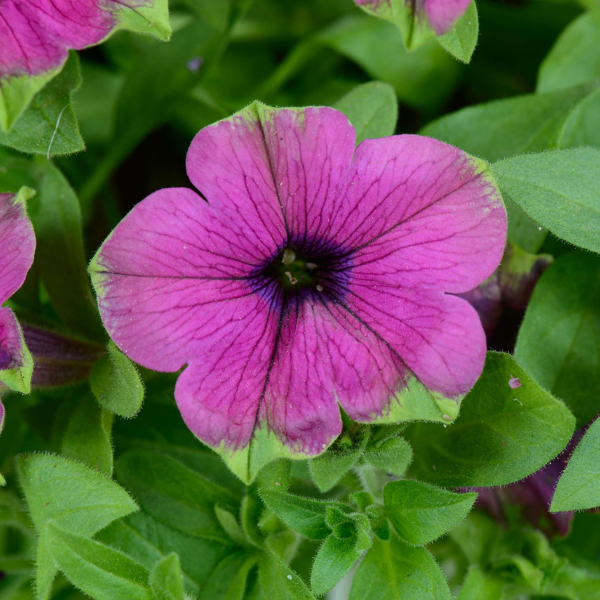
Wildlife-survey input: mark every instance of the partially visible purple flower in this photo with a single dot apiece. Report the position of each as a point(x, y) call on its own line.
point(36, 36)
point(509, 288)
point(514, 383)
point(416, 17)
point(17, 247)
point(314, 275)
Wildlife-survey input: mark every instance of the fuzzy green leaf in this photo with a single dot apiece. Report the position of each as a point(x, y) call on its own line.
point(501, 435)
point(579, 486)
point(461, 40)
point(559, 337)
point(420, 513)
point(333, 560)
point(166, 580)
point(117, 384)
point(372, 108)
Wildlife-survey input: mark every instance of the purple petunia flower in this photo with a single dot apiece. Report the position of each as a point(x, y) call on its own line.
point(36, 35)
point(17, 245)
point(313, 275)
point(437, 16)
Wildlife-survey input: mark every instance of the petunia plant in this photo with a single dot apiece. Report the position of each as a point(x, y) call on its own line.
point(302, 306)
point(307, 275)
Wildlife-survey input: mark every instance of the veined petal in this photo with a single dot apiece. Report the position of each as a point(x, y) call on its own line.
point(17, 241)
point(421, 213)
point(438, 337)
point(172, 268)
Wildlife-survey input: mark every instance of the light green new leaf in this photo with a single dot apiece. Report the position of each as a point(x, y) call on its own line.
point(333, 560)
point(60, 255)
point(372, 108)
point(574, 58)
point(175, 494)
point(579, 486)
point(166, 580)
point(559, 339)
point(559, 189)
point(461, 40)
point(48, 126)
point(501, 435)
point(74, 496)
point(117, 384)
point(420, 513)
point(504, 128)
point(96, 569)
point(88, 438)
point(396, 571)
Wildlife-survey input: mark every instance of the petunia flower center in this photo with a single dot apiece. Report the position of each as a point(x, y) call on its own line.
point(296, 272)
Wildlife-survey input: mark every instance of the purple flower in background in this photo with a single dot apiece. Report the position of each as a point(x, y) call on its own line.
point(313, 275)
point(438, 15)
point(17, 247)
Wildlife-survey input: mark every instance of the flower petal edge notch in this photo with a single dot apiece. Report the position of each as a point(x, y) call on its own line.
point(305, 276)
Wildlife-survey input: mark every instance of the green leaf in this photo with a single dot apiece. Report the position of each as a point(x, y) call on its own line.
point(87, 437)
point(392, 456)
point(229, 578)
point(304, 515)
point(166, 580)
point(479, 584)
point(501, 435)
point(117, 384)
point(559, 189)
point(48, 126)
point(333, 560)
point(60, 255)
point(372, 108)
point(150, 18)
point(574, 58)
point(277, 580)
point(216, 14)
point(96, 569)
point(504, 128)
point(13, 514)
point(74, 496)
point(559, 337)
point(461, 40)
point(175, 494)
point(579, 486)
point(147, 541)
point(422, 79)
point(582, 128)
point(420, 513)
point(231, 526)
point(396, 571)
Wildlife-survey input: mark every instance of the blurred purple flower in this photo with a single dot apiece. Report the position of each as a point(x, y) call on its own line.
point(315, 274)
point(439, 15)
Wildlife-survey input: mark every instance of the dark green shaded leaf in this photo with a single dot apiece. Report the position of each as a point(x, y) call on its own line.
point(559, 337)
point(229, 578)
point(501, 435)
point(420, 513)
point(174, 494)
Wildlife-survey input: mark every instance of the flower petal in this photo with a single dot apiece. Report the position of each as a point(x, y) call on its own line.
point(16, 365)
point(220, 391)
point(169, 270)
point(17, 241)
point(439, 337)
point(421, 213)
point(443, 14)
